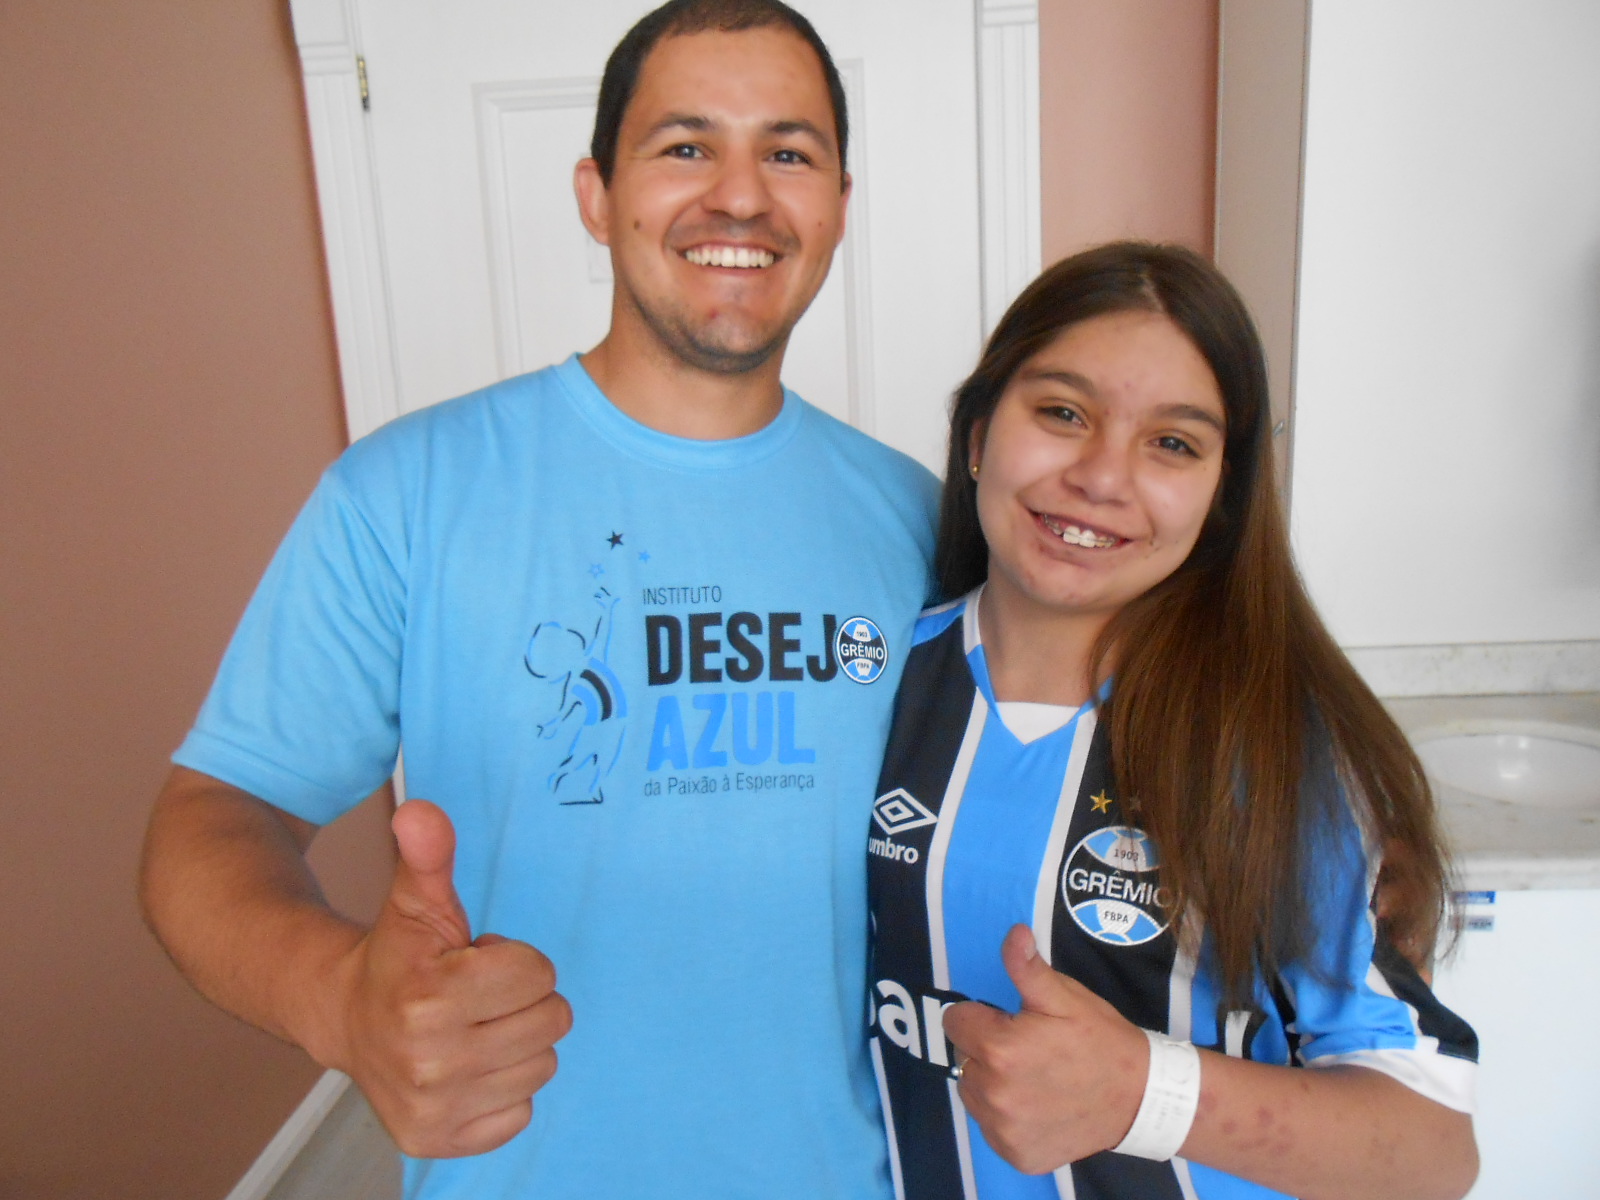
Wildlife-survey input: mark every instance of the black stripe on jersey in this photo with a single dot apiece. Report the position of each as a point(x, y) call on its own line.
point(1286, 1016)
point(923, 1116)
point(934, 704)
point(1135, 979)
point(1456, 1038)
point(1108, 1176)
point(936, 696)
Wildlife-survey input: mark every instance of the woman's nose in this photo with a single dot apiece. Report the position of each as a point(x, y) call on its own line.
point(1102, 469)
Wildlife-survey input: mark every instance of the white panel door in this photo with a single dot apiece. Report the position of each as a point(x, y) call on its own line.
point(478, 113)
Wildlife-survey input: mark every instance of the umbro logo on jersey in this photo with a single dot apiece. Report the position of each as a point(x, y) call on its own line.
point(897, 811)
point(1112, 887)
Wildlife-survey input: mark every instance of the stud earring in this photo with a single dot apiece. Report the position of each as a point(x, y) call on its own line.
point(974, 469)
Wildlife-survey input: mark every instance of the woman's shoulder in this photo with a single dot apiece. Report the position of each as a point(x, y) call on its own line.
point(931, 622)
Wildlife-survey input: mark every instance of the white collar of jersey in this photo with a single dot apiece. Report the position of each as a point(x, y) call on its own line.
point(1027, 720)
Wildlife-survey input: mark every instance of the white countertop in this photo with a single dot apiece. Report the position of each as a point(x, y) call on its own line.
point(1498, 845)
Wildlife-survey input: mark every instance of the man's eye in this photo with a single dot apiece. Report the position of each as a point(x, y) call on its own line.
point(683, 150)
point(790, 157)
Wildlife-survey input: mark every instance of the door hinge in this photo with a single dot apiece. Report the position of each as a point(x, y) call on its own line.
point(361, 78)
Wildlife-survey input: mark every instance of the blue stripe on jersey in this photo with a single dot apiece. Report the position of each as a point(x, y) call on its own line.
point(1212, 1184)
point(935, 621)
point(999, 1180)
point(990, 874)
point(994, 859)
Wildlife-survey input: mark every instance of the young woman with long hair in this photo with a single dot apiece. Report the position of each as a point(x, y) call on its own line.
point(1139, 805)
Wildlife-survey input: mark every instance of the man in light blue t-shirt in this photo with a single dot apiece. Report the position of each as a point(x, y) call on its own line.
point(638, 619)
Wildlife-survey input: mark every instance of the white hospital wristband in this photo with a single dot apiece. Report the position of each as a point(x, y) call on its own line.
point(1171, 1095)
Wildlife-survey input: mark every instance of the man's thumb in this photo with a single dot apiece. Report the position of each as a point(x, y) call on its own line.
point(1043, 989)
point(424, 888)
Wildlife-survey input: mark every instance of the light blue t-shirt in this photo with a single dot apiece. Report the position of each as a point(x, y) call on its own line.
point(649, 679)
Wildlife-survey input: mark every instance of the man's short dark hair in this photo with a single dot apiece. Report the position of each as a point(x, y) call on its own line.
point(678, 17)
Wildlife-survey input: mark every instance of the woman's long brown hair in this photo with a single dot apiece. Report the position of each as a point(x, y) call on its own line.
point(1232, 709)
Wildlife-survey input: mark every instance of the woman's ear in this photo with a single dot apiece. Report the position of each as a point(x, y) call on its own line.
point(980, 428)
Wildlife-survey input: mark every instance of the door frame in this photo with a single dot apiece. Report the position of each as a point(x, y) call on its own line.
point(328, 36)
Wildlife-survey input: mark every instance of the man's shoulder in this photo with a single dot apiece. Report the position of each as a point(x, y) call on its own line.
point(866, 455)
point(464, 425)
point(469, 414)
point(854, 442)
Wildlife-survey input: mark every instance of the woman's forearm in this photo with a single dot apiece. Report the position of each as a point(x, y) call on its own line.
point(1336, 1133)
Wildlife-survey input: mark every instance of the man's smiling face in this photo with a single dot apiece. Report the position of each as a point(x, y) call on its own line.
point(727, 198)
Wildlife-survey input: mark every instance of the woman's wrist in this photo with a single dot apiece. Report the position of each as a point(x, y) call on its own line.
point(1171, 1098)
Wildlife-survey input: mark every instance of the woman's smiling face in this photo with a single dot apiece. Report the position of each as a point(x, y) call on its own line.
point(1098, 466)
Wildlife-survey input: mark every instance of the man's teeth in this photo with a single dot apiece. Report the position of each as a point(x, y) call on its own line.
point(729, 256)
point(1074, 536)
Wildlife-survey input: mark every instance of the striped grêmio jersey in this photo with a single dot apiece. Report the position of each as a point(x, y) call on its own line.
point(975, 830)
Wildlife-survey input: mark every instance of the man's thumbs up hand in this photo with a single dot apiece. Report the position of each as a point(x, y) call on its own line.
point(449, 1037)
point(1055, 1082)
point(424, 891)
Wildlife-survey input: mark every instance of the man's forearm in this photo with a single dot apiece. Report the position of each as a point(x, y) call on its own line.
point(225, 887)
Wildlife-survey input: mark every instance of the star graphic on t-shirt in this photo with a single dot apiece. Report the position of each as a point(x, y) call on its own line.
point(1102, 802)
point(644, 556)
point(596, 570)
point(615, 539)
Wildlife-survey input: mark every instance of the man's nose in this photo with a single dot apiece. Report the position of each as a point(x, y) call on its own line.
point(740, 189)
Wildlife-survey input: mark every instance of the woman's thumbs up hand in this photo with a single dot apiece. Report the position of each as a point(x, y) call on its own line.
point(1055, 1082)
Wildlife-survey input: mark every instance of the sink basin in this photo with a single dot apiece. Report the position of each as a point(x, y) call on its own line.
point(1551, 767)
point(1518, 791)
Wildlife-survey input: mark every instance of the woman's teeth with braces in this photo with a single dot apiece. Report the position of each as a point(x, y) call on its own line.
point(1074, 536)
point(729, 256)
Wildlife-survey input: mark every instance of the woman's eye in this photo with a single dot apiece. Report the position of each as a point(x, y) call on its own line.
point(1174, 444)
point(1062, 412)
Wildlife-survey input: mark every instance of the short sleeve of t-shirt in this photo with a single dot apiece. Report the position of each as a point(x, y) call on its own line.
point(1357, 1001)
point(304, 712)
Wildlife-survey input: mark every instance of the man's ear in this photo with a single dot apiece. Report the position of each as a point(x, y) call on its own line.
point(844, 205)
point(594, 201)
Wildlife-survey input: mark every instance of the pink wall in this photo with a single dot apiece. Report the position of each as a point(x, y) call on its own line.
point(168, 395)
point(1127, 98)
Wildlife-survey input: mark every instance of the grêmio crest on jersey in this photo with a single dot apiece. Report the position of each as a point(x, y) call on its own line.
point(1111, 884)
